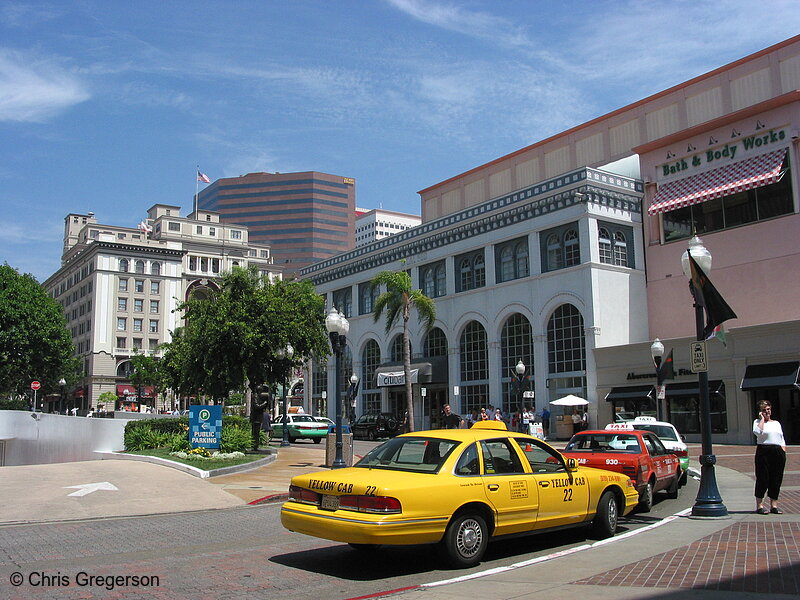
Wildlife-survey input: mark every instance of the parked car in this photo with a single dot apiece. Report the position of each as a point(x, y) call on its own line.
point(372, 426)
point(300, 426)
point(638, 454)
point(673, 441)
point(459, 488)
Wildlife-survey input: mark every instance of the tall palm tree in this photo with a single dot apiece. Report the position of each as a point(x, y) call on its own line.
point(396, 301)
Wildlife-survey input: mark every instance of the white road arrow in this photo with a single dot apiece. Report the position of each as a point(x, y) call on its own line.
point(88, 488)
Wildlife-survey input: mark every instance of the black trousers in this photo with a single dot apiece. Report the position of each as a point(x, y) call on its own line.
point(770, 461)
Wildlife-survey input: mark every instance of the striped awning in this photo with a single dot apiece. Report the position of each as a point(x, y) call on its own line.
point(736, 177)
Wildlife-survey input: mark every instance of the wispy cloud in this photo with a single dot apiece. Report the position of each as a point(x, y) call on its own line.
point(35, 89)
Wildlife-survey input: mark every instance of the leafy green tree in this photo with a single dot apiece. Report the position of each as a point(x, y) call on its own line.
point(397, 301)
point(34, 341)
point(233, 336)
point(147, 371)
point(107, 400)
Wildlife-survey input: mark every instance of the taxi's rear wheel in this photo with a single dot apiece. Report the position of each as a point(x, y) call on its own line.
point(646, 498)
point(674, 488)
point(317, 440)
point(465, 540)
point(605, 521)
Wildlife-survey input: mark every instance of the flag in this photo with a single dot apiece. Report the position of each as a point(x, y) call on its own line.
point(719, 333)
point(203, 177)
point(144, 227)
point(707, 296)
point(667, 368)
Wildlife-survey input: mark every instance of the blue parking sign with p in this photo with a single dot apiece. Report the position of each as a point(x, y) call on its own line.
point(205, 426)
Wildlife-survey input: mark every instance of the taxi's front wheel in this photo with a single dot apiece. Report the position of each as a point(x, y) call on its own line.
point(465, 540)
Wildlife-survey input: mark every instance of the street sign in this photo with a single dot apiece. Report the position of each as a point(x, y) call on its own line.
point(35, 385)
point(423, 392)
point(205, 426)
point(455, 390)
point(528, 394)
point(697, 352)
point(661, 392)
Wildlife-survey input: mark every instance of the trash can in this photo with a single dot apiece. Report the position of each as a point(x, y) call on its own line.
point(564, 428)
point(347, 446)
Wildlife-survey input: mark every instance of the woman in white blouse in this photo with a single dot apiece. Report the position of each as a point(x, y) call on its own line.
point(770, 459)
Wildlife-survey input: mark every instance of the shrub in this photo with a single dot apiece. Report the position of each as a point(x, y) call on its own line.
point(235, 439)
point(172, 433)
point(179, 442)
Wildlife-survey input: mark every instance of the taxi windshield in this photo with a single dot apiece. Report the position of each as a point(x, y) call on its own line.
point(604, 442)
point(662, 431)
point(415, 454)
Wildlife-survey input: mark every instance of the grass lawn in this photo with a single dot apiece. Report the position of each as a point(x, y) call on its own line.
point(205, 465)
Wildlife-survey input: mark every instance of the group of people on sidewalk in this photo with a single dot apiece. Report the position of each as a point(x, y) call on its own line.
point(520, 421)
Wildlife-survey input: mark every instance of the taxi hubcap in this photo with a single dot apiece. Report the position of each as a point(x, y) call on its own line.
point(469, 537)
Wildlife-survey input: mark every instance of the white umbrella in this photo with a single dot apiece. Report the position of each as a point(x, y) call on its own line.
point(570, 401)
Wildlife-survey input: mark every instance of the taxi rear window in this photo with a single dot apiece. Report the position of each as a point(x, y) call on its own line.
point(604, 442)
point(415, 454)
point(662, 431)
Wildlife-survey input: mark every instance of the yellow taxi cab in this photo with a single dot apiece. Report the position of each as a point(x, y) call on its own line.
point(458, 488)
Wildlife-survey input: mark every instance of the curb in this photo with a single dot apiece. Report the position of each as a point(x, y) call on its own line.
point(194, 471)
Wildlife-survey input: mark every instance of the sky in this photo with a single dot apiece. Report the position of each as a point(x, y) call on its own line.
point(111, 106)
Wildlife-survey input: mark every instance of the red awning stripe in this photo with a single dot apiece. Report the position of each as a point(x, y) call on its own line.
point(123, 390)
point(737, 177)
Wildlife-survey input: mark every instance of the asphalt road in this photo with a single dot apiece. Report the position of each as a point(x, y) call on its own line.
point(239, 552)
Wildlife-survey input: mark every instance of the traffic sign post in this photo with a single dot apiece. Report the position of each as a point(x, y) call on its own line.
point(697, 352)
point(35, 385)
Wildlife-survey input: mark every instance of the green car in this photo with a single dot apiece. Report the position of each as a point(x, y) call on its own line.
point(300, 427)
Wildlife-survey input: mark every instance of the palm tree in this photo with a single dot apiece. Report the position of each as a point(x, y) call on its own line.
point(397, 300)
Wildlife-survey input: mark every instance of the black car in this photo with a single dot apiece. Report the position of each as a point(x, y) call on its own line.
point(375, 425)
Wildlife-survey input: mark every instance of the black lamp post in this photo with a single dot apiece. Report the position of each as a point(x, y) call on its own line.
point(708, 502)
point(338, 327)
point(657, 352)
point(520, 370)
point(285, 355)
point(352, 392)
point(63, 384)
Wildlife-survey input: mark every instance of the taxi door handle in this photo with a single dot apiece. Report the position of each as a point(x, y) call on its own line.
point(493, 487)
point(544, 483)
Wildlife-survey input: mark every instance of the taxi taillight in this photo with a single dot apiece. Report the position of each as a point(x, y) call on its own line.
point(680, 452)
point(302, 495)
point(371, 504)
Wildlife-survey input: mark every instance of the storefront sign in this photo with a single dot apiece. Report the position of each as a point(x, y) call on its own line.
point(652, 375)
point(396, 378)
point(728, 152)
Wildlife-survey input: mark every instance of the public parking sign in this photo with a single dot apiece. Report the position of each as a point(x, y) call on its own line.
point(205, 426)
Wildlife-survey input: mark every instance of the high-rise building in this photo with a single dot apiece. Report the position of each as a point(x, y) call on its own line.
point(119, 288)
point(376, 224)
point(303, 217)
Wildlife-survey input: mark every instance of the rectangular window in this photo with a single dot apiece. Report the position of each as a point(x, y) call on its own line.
point(153, 344)
point(138, 305)
point(122, 323)
point(122, 304)
point(153, 326)
point(172, 226)
point(153, 306)
point(121, 342)
point(204, 264)
point(155, 287)
point(137, 343)
point(138, 286)
point(236, 234)
point(212, 231)
point(265, 254)
point(137, 325)
point(199, 229)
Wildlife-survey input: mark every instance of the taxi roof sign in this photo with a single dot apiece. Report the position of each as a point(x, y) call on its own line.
point(643, 419)
point(500, 425)
point(626, 426)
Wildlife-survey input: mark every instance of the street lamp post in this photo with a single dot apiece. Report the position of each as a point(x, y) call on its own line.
point(520, 369)
point(657, 352)
point(285, 355)
point(338, 328)
point(708, 502)
point(63, 384)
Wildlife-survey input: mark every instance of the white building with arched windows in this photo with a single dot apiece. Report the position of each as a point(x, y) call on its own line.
point(544, 275)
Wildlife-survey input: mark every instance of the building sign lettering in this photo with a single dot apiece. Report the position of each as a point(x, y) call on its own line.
point(396, 378)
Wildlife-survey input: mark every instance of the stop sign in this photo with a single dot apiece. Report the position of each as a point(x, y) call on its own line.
point(35, 385)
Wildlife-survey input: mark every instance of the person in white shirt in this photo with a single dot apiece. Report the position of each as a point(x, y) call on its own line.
point(770, 459)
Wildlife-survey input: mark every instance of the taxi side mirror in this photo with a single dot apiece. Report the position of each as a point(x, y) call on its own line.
point(572, 464)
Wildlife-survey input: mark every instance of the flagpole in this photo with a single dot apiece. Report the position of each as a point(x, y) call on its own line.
point(196, 189)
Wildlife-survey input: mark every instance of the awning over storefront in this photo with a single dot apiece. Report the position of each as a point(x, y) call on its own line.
point(429, 370)
point(771, 376)
point(633, 392)
point(682, 390)
point(126, 390)
point(736, 177)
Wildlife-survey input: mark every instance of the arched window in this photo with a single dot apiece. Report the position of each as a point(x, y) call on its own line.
point(516, 344)
point(620, 249)
point(125, 369)
point(140, 266)
point(428, 284)
point(467, 280)
point(566, 347)
point(479, 268)
point(521, 258)
point(474, 367)
point(604, 242)
point(555, 254)
point(441, 280)
point(572, 248)
point(397, 348)
point(506, 263)
point(435, 343)
point(433, 280)
point(123, 265)
point(155, 268)
point(370, 394)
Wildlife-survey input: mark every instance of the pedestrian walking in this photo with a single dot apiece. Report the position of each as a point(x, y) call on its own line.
point(450, 420)
point(770, 459)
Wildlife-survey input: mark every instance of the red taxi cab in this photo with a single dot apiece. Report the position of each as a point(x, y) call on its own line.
point(638, 454)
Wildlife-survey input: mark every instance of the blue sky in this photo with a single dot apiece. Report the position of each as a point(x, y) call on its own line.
point(108, 106)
